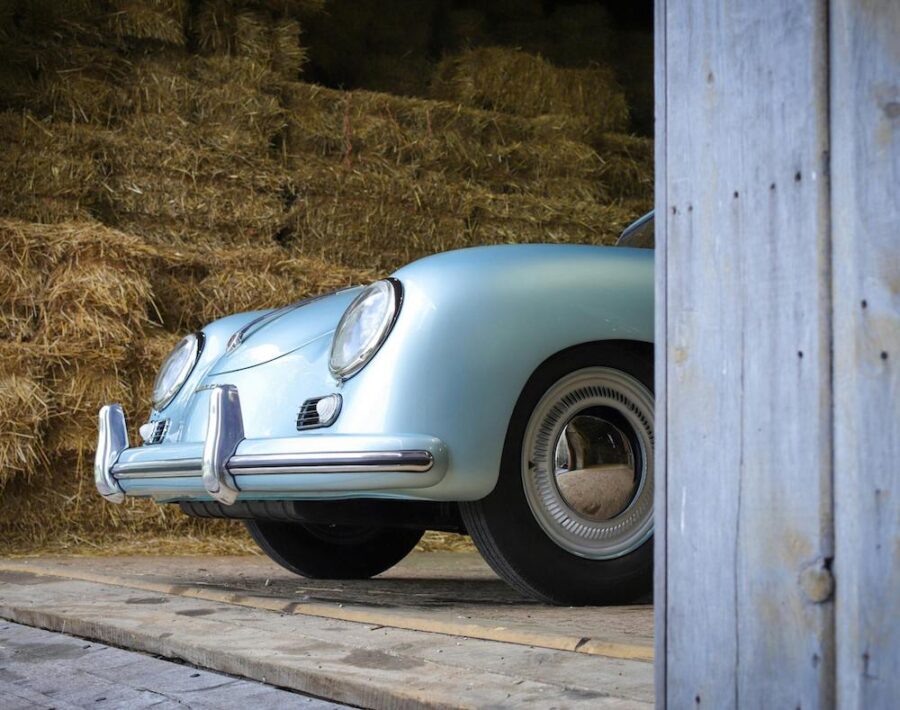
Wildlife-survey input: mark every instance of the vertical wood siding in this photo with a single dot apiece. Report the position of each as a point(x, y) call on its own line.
point(745, 295)
point(865, 138)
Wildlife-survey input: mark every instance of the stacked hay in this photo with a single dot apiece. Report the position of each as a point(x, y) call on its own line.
point(409, 215)
point(24, 411)
point(93, 303)
point(48, 169)
point(272, 44)
point(196, 157)
point(162, 165)
point(378, 180)
point(198, 286)
point(60, 511)
point(95, 342)
point(523, 84)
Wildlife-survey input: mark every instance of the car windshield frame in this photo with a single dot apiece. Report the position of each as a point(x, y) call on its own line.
point(639, 234)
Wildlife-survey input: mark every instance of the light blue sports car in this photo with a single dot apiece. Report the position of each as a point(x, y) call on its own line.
point(504, 391)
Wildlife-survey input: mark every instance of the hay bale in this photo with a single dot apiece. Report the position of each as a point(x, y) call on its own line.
point(627, 165)
point(168, 144)
point(435, 541)
point(162, 84)
point(383, 219)
point(82, 84)
point(93, 311)
point(246, 280)
point(79, 390)
point(175, 280)
point(288, 56)
point(269, 42)
point(171, 181)
point(273, 44)
point(507, 80)
point(60, 511)
point(49, 171)
point(17, 323)
point(236, 106)
point(213, 24)
point(196, 286)
point(24, 411)
point(23, 247)
point(231, 103)
point(167, 207)
point(19, 289)
point(82, 388)
point(156, 20)
point(96, 297)
point(86, 283)
point(227, 291)
point(364, 127)
point(24, 262)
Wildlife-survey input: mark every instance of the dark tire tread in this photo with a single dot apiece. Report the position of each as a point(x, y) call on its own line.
point(295, 548)
point(504, 529)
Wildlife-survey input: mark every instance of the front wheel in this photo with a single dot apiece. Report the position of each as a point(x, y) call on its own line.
point(333, 551)
point(570, 520)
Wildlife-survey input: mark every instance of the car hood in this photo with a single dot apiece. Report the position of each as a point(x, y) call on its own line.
point(281, 331)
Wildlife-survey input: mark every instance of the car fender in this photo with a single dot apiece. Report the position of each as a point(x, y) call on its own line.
point(474, 326)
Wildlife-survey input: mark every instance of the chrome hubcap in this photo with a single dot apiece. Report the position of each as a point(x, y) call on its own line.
point(587, 463)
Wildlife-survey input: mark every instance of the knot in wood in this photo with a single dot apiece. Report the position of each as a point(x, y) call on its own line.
point(817, 582)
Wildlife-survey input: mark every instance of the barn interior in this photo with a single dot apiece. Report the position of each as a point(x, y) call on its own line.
point(168, 162)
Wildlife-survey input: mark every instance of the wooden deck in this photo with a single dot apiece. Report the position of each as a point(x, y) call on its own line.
point(439, 630)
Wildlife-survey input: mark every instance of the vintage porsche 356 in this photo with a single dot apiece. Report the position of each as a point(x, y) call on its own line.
point(502, 391)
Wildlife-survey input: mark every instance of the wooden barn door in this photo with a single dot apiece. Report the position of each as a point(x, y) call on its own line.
point(778, 357)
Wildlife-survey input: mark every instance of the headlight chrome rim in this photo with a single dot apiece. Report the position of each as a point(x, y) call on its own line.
point(345, 370)
point(163, 393)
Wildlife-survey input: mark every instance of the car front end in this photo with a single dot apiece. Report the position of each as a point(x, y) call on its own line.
point(502, 391)
point(260, 411)
point(402, 389)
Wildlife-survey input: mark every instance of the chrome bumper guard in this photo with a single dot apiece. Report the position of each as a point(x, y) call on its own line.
point(112, 440)
point(225, 432)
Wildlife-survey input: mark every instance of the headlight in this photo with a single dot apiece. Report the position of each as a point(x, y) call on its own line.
point(175, 370)
point(364, 326)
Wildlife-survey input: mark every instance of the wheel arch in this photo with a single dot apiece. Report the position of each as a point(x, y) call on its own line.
point(474, 327)
point(592, 348)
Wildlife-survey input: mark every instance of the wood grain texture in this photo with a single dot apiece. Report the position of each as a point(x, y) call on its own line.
point(745, 270)
point(865, 130)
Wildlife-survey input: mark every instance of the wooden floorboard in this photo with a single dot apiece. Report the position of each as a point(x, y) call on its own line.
point(246, 623)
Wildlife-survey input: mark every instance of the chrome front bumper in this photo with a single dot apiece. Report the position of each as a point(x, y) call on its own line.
point(227, 466)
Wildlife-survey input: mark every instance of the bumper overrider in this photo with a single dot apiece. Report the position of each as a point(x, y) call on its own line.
point(227, 466)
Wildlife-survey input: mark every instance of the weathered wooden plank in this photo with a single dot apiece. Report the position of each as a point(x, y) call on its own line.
point(661, 413)
point(865, 130)
point(359, 664)
point(748, 539)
